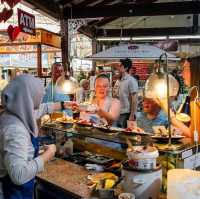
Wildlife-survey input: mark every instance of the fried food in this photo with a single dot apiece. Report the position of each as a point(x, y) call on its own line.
point(108, 179)
point(66, 120)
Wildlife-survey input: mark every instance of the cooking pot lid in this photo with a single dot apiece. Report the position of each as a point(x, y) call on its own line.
point(125, 166)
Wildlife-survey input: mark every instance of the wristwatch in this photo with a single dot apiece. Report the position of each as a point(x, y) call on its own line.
point(62, 104)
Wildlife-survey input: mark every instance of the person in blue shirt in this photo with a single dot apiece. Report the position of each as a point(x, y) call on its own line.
point(52, 94)
point(155, 114)
point(152, 115)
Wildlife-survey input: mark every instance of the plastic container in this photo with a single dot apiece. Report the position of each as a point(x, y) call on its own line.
point(142, 159)
point(126, 196)
point(68, 147)
point(106, 193)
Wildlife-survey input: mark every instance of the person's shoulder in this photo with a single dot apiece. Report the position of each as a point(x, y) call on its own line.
point(115, 101)
point(132, 79)
point(162, 115)
point(15, 130)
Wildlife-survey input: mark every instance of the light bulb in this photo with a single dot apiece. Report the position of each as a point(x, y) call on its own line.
point(161, 89)
point(156, 86)
point(66, 84)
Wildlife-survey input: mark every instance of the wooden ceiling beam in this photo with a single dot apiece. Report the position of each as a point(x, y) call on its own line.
point(144, 32)
point(153, 9)
point(104, 2)
point(65, 2)
point(51, 9)
point(105, 21)
point(85, 3)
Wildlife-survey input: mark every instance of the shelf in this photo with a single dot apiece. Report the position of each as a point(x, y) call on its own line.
point(92, 132)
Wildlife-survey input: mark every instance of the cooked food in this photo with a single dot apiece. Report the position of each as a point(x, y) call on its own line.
point(183, 117)
point(162, 132)
point(66, 120)
point(142, 149)
point(104, 180)
point(88, 107)
point(116, 129)
point(84, 122)
point(134, 130)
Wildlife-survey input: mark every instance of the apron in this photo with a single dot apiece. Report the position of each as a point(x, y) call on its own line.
point(24, 191)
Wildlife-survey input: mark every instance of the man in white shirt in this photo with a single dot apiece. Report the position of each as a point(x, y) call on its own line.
point(127, 93)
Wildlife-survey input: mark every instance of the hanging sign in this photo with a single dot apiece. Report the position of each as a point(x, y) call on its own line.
point(26, 22)
point(11, 3)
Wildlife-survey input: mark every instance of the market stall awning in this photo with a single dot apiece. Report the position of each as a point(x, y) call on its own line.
point(132, 51)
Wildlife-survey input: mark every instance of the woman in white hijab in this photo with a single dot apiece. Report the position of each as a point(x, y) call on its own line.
point(19, 160)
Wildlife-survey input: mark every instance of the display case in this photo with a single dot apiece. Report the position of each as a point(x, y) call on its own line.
point(180, 154)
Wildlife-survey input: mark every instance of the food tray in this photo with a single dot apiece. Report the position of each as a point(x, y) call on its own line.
point(94, 158)
point(166, 138)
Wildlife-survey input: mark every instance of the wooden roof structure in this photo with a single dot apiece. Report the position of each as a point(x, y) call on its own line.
point(156, 16)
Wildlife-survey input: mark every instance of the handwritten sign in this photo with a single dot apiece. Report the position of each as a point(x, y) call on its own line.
point(26, 22)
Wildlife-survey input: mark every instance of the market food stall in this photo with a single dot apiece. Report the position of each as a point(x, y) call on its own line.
point(13, 52)
point(68, 133)
point(181, 154)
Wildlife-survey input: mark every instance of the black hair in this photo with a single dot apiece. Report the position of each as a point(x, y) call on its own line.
point(127, 63)
point(100, 67)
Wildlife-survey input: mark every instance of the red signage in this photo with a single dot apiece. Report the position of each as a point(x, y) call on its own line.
point(26, 22)
point(5, 14)
point(141, 70)
point(11, 3)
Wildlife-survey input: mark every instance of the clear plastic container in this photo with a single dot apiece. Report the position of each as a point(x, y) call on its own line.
point(68, 147)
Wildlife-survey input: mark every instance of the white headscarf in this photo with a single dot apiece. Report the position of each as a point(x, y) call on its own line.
point(21, 98)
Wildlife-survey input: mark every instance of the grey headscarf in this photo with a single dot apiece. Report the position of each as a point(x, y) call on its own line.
point(21, 98)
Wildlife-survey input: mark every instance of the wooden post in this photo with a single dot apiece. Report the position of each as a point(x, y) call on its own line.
point(94, 51)
point(39, 60)
point(64, 40)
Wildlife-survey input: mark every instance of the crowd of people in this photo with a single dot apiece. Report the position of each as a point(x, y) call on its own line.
point(24, 100)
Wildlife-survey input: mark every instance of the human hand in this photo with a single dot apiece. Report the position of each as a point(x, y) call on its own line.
point(71, 105)
point(49, 152)
point(132, 117)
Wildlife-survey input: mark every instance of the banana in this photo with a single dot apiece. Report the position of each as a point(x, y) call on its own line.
point(164, 184)
point(168, 165)
point(172, 160)
point(109, 183)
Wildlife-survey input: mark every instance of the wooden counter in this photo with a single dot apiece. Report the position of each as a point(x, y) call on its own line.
point(66, 175)
point(70, 177)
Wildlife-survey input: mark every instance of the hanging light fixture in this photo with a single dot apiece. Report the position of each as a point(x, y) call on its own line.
point(65, 83)
point(156, 84)
point(162, 85)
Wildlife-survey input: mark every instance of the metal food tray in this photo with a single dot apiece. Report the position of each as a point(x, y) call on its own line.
point(99, 159)
point(94, 158)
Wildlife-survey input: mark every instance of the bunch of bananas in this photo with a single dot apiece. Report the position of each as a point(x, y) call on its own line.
point(167, 163)
point(104, 180)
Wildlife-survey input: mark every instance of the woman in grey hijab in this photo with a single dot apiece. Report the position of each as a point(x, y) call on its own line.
point(19, 160)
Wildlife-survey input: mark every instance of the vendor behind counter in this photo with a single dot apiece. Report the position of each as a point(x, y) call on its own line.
point(152, 115)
